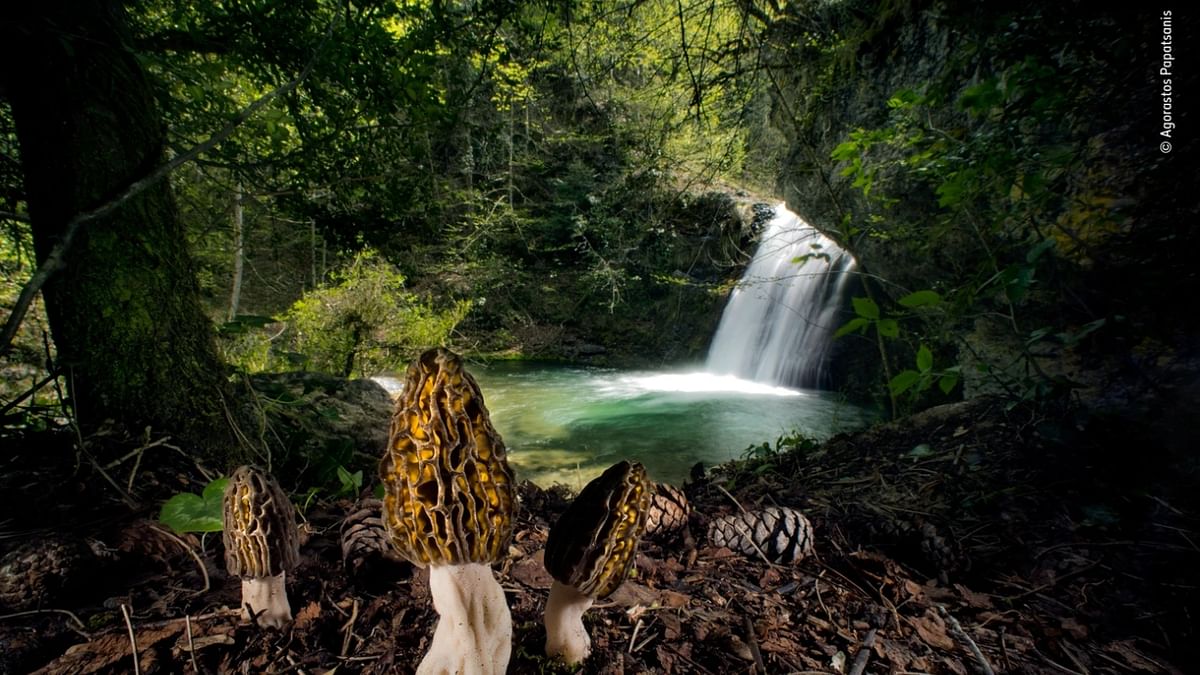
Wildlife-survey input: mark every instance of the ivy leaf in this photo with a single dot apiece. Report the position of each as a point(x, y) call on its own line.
point(857, 323)
point(924, 359)
point(866, 308)
point(920, 299)
point(188, 512)
point(903, 382)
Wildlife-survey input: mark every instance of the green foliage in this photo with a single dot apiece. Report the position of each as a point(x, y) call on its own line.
point(189, 512)
point(365, 321)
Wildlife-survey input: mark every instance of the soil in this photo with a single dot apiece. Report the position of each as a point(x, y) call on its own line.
point(968, 539)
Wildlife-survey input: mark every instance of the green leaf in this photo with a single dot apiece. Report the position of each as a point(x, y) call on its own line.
point(947, 382)
point(903, 382)
point(920, 299)
point(188, 512)
point(857, 323)
point(888, 328)
point(866, 308)
point(351, 482)
point(845, 150)
point(924, 359)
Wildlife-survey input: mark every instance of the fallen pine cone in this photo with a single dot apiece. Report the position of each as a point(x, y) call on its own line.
point(668, 512)
point(781, 534)
point(364, 538)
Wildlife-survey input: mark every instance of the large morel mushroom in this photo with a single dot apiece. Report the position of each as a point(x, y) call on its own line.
point(448, 504)
point(262, 544)
point(589, 552)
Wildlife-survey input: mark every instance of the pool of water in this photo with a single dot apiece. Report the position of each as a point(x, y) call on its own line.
point(567, 424)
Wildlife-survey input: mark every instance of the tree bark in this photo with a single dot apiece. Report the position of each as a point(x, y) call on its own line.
point(125, 311)
point(235, 294)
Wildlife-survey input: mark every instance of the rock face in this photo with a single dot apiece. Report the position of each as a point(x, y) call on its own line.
point(323, 416)
point(1110, 210)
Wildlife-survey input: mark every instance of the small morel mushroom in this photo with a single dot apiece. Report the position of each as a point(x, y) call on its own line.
point(781, 534)
point(589, 552)
point(448, 504)
point(668, 512)
point(262, 544)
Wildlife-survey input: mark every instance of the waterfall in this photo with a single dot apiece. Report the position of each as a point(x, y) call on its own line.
point(780, 318)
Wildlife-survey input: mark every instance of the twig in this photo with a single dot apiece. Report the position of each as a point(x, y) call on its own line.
point(348, 628)
point(633, 638)
point(191, 647)
point(137, 669)
point(121, 460)
point(30, 392)
point(864, 653)
point(125, 496)
point(957, 628)
point(732, 499)
point(183, 544)
point(82, 629)
point(752, 638)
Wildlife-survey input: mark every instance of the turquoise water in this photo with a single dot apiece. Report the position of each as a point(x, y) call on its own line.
point(568, 424)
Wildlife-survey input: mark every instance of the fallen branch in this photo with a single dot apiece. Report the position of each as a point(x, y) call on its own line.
point(864, 653)
point(961, 634)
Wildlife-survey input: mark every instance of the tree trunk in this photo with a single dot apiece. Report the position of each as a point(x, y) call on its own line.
point(125, 312)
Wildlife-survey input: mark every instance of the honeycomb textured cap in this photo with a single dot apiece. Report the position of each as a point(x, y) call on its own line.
point(449, 493)
point(592, 546)
point(261, 538)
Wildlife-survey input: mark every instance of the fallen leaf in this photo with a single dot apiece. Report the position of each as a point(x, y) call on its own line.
point(307, 615)
point(932, 630)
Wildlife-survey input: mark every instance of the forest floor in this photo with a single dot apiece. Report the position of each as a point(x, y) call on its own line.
point(966, 539)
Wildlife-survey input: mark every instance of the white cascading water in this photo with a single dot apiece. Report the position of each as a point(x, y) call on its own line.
point(778, 324)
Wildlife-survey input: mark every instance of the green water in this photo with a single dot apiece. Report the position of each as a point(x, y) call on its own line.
point(568, 424)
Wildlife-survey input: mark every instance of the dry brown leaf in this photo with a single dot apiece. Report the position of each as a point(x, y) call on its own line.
point(932, 630)
point(974, 600)
point(307, 615)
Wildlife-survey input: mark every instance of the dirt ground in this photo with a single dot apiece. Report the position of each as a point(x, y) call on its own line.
point(969, 539)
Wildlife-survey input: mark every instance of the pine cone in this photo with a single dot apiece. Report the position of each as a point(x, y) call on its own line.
point(783, 535)
point(669, 510)
point(364, 537)
point(38, 573)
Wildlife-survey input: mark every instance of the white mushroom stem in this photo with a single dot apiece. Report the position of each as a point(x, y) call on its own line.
point(265, 600)
point(474, 631)
point(566, 638)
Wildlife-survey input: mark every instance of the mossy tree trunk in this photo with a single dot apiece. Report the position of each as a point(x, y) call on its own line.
point(125, 312)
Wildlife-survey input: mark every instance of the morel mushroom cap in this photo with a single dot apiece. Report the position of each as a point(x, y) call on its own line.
point(448, 504)
point(262, 544)
point(589, 553)
point(780, 534)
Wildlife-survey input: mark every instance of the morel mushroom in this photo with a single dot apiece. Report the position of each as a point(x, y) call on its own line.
point(780, 534)
point(448, 504)
point(668, 512)
point(262, 544)
point(589, 552)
